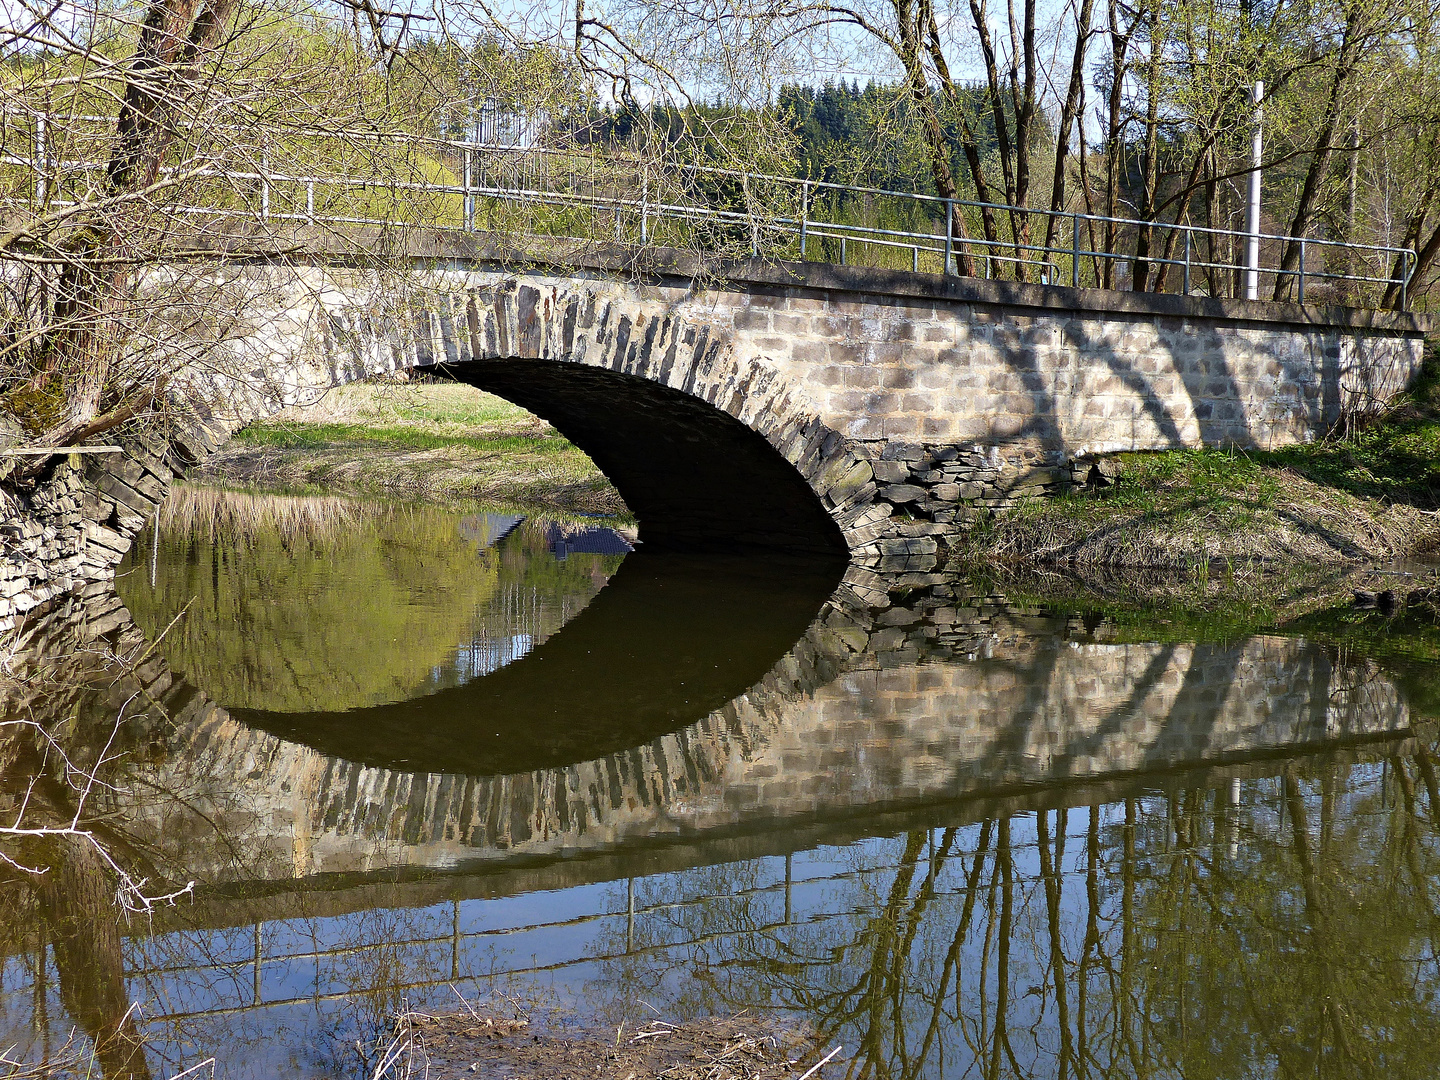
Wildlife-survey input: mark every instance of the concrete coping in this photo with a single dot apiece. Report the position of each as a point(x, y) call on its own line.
point(360, 247)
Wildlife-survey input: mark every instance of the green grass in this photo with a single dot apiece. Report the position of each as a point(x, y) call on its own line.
point(306, 436)
point(1395, 457)
point(1227, 488)
point(417, 440)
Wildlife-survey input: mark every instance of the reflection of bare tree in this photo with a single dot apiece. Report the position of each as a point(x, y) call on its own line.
point(77, 899)
point(1284, 923)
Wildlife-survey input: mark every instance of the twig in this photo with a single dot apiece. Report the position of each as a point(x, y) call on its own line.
point(468, 1007)
point(196, 1068)
point(819, 1064)
point(398, 1046)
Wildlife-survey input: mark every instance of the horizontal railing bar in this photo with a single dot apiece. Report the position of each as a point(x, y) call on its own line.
point(46, 451)
point(554, 177)
point(461, 145)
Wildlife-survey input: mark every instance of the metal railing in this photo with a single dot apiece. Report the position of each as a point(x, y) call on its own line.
point(574, 192)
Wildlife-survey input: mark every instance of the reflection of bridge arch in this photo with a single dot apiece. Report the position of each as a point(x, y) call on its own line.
point(852, 720)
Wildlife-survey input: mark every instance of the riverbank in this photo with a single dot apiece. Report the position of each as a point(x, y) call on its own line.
point(489, 1045)
point(416, 440)
point(1366, 496)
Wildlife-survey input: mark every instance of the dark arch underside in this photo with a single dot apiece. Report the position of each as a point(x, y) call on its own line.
point(695, 477)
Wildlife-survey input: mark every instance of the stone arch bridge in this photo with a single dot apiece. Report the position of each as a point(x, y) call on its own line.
point(857, 412)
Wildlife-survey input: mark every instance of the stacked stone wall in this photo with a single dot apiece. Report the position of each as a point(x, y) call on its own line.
point(72, 531)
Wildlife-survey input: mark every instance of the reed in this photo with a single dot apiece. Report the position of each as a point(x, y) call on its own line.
point(217, 513)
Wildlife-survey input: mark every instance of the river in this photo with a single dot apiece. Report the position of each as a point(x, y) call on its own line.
point(405, 753)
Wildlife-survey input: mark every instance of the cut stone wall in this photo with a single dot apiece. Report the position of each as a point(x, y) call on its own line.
point(73, 529)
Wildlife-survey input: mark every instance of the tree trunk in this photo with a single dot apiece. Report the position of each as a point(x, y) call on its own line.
point(82, 342)
point(1023, 96)
point(1119, 50)
point(934, 45)
point(912, 29)
point(77, 900)
point(1140, 279)
point(1425, 254)
point(1322, 152)
point(1068, 113)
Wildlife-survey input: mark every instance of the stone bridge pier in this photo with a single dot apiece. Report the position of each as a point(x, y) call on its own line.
point(850, 412)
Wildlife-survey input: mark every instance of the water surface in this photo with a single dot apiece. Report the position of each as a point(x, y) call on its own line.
point(957, 835)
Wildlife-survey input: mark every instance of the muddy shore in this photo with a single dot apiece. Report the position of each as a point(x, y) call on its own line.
point(477, 1043)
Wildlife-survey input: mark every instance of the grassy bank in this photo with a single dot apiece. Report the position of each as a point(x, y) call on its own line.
point(416, 441)
point(1368, 495)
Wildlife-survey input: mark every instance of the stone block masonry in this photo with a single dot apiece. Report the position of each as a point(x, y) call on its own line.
point(801, 406)
point(967, 395)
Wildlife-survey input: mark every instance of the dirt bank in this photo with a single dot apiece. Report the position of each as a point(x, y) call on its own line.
point(1369, 493)
point(1205, 513)
point(478, 1043)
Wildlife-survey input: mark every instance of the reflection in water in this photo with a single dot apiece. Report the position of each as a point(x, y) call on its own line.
point(958, 837)
point(326, 604)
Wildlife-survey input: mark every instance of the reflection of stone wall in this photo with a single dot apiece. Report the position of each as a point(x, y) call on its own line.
point(950, 701)
point(869, 710)
point(1029, 710)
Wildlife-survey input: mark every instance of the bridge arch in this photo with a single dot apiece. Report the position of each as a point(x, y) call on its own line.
point(710, 445)
point(761, 399)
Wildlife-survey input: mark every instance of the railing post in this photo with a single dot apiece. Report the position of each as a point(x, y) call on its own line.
point(789, 911)
point(454, 939)
point(644, 205)
point(257, 979)
point(629, 915)
point(265, 186)
point(1187, 262)
point(1405, 272)
point(310, 201)
point(915, 259)
point(804, 215)
point(842, 251)
point(949, 234)
point(38, 160)
point(1075, 250)
point(467, 201)
point(1301, 288)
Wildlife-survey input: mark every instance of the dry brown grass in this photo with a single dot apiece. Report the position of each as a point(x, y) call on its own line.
point(216, 512)
point(477, 1043)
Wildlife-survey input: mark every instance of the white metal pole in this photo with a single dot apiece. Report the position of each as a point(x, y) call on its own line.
point(1252, 254)
point(41, 161)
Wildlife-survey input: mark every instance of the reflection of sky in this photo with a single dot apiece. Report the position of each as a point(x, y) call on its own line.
point(801, 932)
point(482, 656)
point(519, 618)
